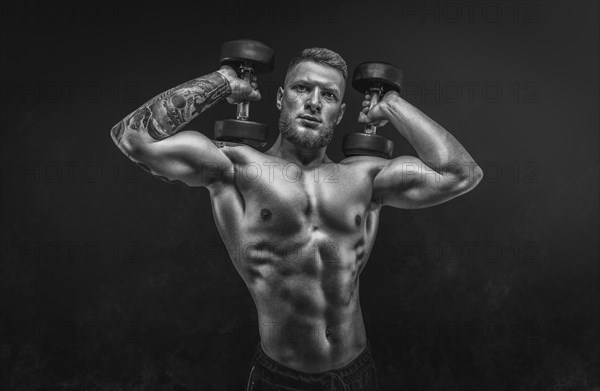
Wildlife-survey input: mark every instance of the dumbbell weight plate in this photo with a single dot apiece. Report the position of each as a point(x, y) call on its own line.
point(365, 75)
point(251, 133)
point(357, 144)
point(257, 53)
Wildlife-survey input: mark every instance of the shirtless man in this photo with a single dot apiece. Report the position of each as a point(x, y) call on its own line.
point(298, 226)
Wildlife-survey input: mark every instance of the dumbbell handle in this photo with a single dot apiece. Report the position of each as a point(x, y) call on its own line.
point(243, 108)
point(375, 93)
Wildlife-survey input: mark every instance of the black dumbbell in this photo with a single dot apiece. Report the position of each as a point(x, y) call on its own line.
point(374, 78)
point(246, 57)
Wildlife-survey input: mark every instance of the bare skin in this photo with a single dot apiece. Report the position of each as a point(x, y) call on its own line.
point(299, 228)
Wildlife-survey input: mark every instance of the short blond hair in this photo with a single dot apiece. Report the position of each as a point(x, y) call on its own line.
point(321, 56)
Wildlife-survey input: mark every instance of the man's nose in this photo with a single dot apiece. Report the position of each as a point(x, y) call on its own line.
point(314, 100)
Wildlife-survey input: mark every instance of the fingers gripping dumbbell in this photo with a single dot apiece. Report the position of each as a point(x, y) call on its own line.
point(374, 79)
point(247, 58)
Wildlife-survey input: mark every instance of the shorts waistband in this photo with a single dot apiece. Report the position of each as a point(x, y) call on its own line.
point(279, 373)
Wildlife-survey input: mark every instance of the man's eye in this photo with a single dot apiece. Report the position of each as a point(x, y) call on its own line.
point(300, 87)
point(329, 95)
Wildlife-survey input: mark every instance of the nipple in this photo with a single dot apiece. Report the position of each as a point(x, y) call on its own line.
point(357, 220)
point(265, 214)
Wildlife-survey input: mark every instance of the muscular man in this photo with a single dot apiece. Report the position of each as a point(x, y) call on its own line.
point(299, 227)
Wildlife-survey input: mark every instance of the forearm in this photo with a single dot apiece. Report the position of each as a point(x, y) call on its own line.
point(435, 146)
point(168, 112)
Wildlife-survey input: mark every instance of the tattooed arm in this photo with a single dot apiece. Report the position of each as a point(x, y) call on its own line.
point(151, 136)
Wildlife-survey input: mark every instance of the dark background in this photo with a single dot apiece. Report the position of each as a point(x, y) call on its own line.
point(114, 280)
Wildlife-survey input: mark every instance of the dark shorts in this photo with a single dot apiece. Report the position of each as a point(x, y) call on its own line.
point(269, 375)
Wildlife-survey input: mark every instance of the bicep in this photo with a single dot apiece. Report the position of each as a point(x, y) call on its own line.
point(187, 156)
point(407, 182)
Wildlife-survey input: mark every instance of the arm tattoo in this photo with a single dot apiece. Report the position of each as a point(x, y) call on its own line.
point(165, 114)
point(117, 131)
point(164, 179)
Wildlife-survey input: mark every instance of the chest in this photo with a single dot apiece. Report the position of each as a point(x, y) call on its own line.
point(286, 199)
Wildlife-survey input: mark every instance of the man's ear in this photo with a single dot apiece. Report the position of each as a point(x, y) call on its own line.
point(279, 98)
point(341, 114)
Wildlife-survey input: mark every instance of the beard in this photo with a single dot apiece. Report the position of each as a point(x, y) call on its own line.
point(306, 139)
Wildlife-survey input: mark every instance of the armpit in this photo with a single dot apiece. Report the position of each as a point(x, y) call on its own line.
point(221, 144)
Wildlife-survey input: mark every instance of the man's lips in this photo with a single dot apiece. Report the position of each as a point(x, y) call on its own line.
point(310, 118)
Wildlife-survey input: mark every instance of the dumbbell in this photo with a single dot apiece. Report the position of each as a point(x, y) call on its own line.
point(374, 78)
point(246, 57)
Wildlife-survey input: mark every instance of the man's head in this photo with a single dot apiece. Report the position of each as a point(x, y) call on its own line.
point(311, 98)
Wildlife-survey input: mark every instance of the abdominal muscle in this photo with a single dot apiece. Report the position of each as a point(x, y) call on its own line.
point(308, 305)
point(300, 248)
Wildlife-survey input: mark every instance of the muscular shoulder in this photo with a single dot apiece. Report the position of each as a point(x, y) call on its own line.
point(245, 162)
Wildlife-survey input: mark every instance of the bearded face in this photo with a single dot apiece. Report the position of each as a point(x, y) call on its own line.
point(311, 104)
point(310, 136)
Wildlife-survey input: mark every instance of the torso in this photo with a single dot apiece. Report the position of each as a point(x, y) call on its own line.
point(300, 240)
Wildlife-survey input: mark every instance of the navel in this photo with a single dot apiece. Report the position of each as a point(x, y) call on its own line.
point(265, 214)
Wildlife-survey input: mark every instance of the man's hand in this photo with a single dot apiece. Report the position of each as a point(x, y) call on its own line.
point(377, 115)
point(241, 90)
